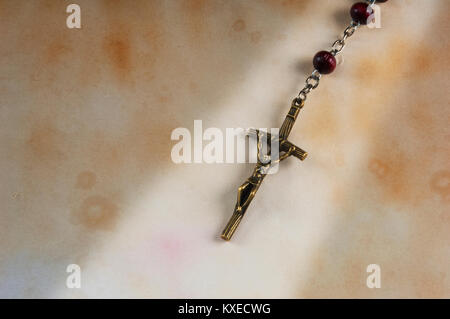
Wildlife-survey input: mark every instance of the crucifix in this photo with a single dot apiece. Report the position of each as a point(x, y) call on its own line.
point(324, 63)
point(247, 191)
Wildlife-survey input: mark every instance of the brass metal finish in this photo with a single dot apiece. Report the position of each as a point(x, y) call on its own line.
point(292, 115)
point(248, 189)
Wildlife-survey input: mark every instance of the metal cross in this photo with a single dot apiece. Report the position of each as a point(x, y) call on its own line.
point(247, 191)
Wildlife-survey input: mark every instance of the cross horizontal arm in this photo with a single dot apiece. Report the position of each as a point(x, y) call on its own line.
point(285, 145)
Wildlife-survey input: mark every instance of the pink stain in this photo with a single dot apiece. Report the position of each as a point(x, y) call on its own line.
point(172, 249)
point(175, 248)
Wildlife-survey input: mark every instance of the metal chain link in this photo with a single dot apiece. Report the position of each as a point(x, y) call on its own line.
point(312, 81)
point(339, 44)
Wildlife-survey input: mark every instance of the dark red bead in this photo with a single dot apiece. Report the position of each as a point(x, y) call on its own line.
point(360, 12)
point(324, 62)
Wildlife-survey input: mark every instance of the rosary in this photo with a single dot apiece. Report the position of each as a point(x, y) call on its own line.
point(324, 63)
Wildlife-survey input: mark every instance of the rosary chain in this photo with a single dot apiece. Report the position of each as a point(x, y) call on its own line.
point(339, 44)
point(312, 81)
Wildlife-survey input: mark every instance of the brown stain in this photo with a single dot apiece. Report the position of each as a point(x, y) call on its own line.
point(117, 48)
point(430, 232)
point(403, 58)
point(55, 51)
point(374, 71)
point(320, 122)
point(196, 14)
point(86, 180)
point(440, 184)
point(138, 47)
point(421, 118)
point(154, 145)
point(239, 25)
point(255, 37)
point(290, 7)
point(387, 67)
point(195, 7)
point(428, 285)
point(44, 142)
point(50, 48)
point(97, 213)
point(51, 5)
point(349, 282)
point(155, 38)
point(379, 168)
point(144, 146)
point(414, 140)
point(107, 155)
point(396, 174)
point(424, 61)
point(193, 87)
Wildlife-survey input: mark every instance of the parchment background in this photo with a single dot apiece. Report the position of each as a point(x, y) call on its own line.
point(87, 178)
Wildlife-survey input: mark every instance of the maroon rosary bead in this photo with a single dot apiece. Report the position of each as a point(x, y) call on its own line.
point(360, 12)
point(324, 62)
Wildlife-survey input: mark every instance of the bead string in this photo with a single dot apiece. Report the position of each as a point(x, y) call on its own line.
point(325, 61)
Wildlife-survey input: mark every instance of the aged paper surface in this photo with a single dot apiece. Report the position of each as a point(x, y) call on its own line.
point(87, 175)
